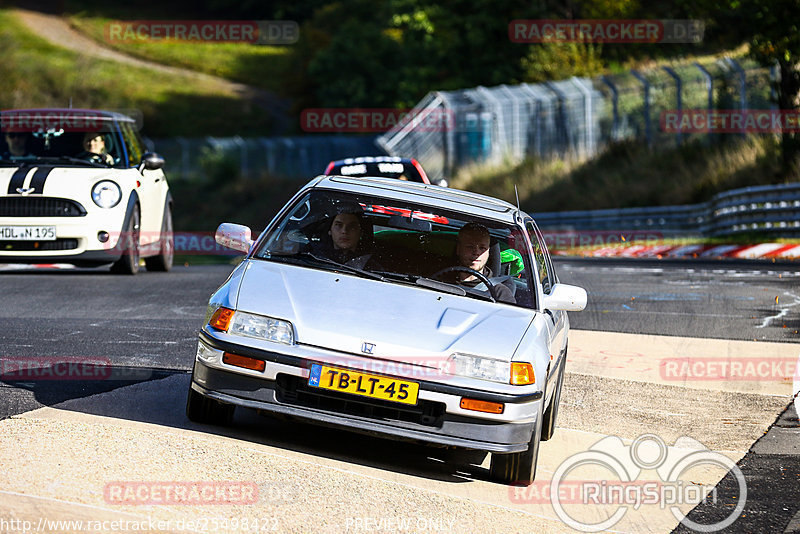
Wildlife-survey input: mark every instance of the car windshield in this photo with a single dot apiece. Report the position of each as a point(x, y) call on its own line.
point(89, 141)
point(404, 243)
point(388, 169)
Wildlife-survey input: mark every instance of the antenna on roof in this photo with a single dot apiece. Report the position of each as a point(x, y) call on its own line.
point(516, 193)
point(70, 102)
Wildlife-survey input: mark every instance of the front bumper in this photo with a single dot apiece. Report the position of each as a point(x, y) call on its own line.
point(76, 240)
point(437, 418)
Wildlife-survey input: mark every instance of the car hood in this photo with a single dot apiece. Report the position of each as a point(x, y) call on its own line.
point(342, 312)
point(50, 180)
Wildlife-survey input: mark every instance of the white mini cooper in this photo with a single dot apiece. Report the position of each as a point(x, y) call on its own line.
point(394, 308)
point(76, 186)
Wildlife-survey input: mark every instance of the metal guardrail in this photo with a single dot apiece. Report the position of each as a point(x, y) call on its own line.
point(769, 209)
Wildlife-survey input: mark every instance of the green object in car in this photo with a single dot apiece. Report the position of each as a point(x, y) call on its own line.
point(513, 257)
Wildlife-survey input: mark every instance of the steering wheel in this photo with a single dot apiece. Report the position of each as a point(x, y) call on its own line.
point(482, 277)
point(96, 158)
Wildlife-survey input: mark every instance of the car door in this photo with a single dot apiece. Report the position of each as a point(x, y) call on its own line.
point(556, 323)
point(151, 197)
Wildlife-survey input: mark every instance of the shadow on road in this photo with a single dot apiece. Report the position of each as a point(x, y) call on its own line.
point(162, 402)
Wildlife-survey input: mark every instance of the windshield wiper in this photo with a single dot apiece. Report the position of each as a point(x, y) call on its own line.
point(328, 261)
point(428, 283)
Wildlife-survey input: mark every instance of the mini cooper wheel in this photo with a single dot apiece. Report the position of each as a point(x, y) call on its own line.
point(518, 468)
point(129, 243)
point(200, 409)
point(163, 262)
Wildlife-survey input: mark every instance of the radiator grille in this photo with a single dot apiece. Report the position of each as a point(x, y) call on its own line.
point(40, 207)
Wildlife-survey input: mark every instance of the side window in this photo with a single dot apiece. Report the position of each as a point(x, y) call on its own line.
point(539, 254)
point(550, 267)
point(133, 144)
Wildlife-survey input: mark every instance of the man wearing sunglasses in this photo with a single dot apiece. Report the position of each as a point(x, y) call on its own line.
point(17, 145)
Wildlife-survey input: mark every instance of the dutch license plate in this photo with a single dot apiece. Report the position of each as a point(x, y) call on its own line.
point(27, 233)
point(376, 387)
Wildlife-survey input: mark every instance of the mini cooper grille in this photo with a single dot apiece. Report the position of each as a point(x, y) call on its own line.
point(39, 207)
point(58, 244)
point(295, 390)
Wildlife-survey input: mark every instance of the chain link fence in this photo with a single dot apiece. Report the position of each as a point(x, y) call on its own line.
point(575, 117)
point(291, 157)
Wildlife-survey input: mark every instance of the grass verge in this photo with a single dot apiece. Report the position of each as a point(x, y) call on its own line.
point(629, 174)
point(257, 65)
point(37, 74)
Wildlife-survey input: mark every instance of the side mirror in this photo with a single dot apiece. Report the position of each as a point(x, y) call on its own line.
point(565, 297)
point(151, 161)
point(234, 236)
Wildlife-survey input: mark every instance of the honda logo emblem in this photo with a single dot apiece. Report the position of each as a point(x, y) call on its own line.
point(366, 348)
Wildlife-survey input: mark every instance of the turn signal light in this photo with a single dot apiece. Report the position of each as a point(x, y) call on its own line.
point(522, 374)
point(481, 406)
point(243, 361)
point(221, 319)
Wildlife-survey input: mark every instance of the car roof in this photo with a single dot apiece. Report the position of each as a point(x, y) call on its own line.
point(452, 199)
point(372, 159)
point(58, 113)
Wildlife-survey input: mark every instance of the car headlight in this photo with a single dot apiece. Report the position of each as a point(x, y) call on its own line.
point(106, 194)
point(261, 327)
point(480, 367)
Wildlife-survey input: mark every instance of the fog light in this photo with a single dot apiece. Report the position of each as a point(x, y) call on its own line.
point(481, 406)
point(243, 361)
point(102, 236)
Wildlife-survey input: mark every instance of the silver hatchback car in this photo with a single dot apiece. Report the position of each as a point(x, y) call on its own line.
point(397, 309)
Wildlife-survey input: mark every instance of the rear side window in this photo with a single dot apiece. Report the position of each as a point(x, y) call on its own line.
point(133, 142)
point(540, 255)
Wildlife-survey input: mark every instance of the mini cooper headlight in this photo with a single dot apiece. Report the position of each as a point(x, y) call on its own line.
point(260, 327)
point(480, 367)
point(106, 194)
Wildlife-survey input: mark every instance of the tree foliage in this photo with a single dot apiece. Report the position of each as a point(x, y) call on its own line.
point(771, 29)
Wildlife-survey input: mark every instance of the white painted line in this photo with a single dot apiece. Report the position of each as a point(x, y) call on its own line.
point(784, 310)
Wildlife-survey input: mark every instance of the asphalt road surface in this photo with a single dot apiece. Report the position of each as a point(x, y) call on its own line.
point(64, 442)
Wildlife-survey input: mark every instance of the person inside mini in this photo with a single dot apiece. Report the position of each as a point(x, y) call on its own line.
point(17, 145)
point(94, 145)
